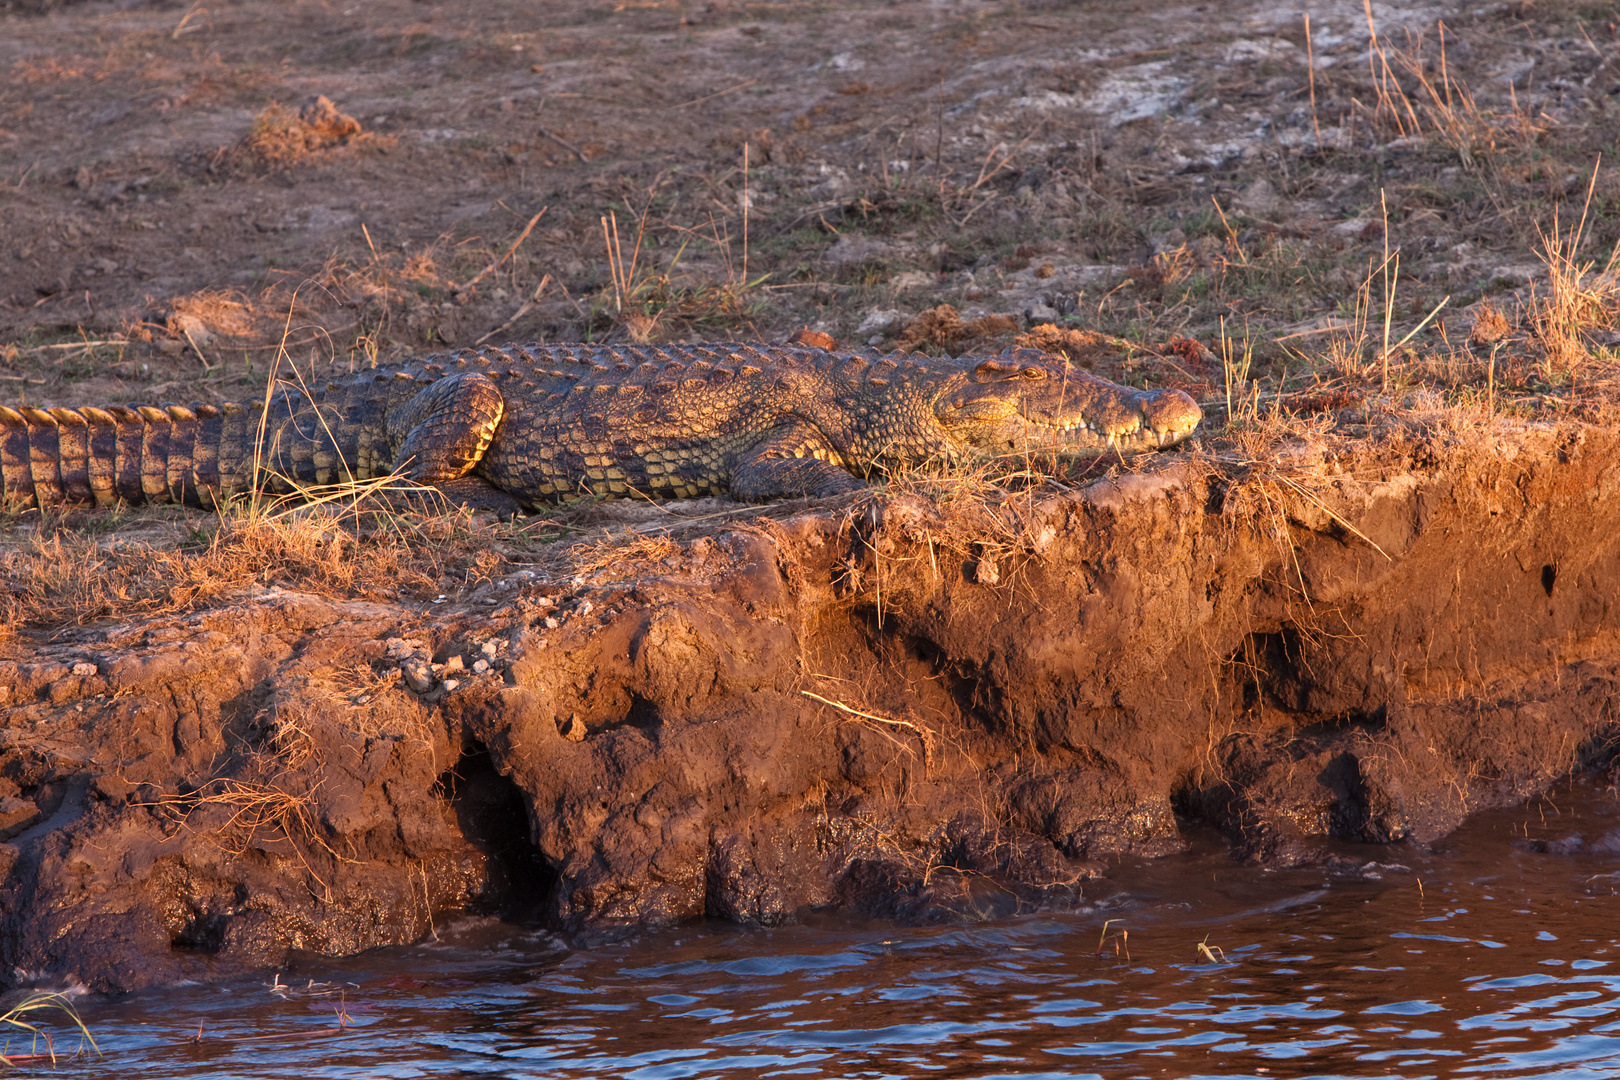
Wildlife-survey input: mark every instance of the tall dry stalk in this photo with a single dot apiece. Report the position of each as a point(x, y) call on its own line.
point(1392, 278)
point(1310, 68)
point(745, 215)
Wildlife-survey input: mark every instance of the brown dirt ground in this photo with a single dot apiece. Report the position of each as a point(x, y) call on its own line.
point(1144, 170)
point(1374, 599)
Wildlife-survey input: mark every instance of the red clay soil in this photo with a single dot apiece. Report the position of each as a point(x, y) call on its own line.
point(919, 706)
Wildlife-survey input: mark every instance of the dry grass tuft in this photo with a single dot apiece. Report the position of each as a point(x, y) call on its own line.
point(1576, 301)
point(942, 329)
point(649, 298)
point(61, 577)
point(358, 697)
point(203, 316)
point(1434, 103)
point(280, 137)
point(1490, 325)
point(1086, 348)
point(633, 551)
point(211, 311)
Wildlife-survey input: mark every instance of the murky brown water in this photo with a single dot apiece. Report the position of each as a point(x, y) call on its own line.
point(1506, 962)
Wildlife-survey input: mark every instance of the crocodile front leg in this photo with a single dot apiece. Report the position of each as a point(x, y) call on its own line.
point(442, 434)
point(793, 461)
point(443, 431)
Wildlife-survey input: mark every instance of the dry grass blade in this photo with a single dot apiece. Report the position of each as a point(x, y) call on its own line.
point(1392, 277)
point(718, 93)
point(533, 299)
point(23, 1016)
point(1121, 939)
point(1231, 234)
point(1418, 329)
point(1329, 511)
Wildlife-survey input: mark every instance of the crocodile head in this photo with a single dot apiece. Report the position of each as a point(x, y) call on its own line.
point(1026, 400)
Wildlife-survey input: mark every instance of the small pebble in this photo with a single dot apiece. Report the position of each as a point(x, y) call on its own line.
point(400, 648)
point(84, 669)
point(417, 676)
point(489, 649)
point(451, 684)
point(480, 666)
point(551, 624)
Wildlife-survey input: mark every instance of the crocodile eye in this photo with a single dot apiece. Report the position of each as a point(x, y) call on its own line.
point(1032, 373)
point(993, 367)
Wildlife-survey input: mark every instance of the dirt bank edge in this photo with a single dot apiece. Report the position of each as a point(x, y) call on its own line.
point(936, 703)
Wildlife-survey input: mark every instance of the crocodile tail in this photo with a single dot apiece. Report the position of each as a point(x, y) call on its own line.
point(131, 453)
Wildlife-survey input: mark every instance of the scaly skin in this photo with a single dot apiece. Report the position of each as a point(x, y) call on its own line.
point(542, 422)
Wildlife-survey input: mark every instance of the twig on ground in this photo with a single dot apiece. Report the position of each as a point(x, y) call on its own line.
point(565, 144)
point(533, 299)
point(710, 97)
point(492, 267)
point(193, 343)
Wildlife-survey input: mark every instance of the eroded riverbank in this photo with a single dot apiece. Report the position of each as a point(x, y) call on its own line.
point(941, 701)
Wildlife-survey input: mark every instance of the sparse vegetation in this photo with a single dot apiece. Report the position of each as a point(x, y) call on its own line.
point(946, 205)
point(1212, 954)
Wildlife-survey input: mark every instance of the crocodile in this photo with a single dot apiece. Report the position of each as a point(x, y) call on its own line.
point(519, 425)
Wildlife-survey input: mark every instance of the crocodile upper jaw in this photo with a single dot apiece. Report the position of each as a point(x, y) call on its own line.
point(1164, 418)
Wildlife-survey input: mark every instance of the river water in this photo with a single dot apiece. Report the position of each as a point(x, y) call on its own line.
point(1495, 954)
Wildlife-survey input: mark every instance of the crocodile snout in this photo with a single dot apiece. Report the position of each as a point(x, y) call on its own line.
point(1171, 415)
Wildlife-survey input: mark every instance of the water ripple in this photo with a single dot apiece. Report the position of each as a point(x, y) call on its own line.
point(1313, 973)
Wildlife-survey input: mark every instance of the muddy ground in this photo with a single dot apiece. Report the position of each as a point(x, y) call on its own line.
point(1145, 169)
point(1373, 598)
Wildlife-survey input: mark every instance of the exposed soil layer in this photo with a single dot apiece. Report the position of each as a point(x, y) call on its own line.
point(933, 704)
